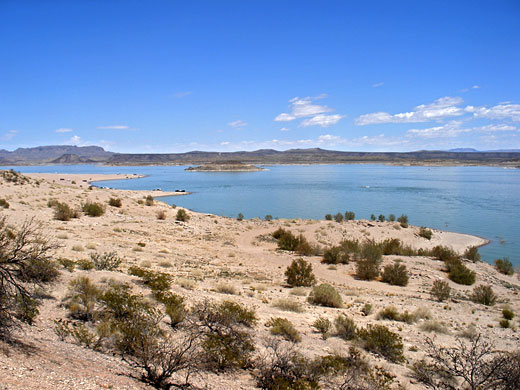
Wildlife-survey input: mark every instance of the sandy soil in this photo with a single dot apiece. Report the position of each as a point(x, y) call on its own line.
point(209, 250)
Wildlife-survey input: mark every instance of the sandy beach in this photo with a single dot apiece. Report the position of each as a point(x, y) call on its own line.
point(210, 251)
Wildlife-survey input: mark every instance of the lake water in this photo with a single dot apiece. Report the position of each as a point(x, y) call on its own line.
point(484, 201)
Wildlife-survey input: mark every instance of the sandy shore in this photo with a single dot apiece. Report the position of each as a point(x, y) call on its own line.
point(209, 251)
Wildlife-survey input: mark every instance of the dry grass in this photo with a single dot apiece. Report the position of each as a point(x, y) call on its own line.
point(289, 305)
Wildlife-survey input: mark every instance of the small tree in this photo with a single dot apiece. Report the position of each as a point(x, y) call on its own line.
point(328, 217)
point(240, 217)
point(338, 217)
point(299, 274)
point(350, 215)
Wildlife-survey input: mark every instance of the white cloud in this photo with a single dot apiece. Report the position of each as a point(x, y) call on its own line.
point(448, 130)
point(476, 87)
point(284, 129)
point(237, 124)
point(75, 140)
point(377, 85)
point(63, 130)
point(114, 127)
point(9, 135)
point(180, 95)
point(314, 113)
point(442, 108)
point(500, 111)
point(321, 120)
point(497, 127)
point(224, 143)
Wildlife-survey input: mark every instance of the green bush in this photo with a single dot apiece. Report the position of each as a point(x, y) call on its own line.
point(323, 326)
point(381, 218)
point(391, 313)
point(350, 247)
point(149, 200)
point(391, 217)
point(425, 233)
point(504, 266)
point(328, 217)
point(182, 216)
point(268, 217)
point(4, 203)
point(403, 220)
point(367, 269)
point(444, 253)
point(461, 274)
point(62, 212)
point(372, 217)
point(82, 298)
point(395, 274)
point(504, 323)
point(440, 290)
point(85, 264)
point(508, 314)
point(156, 281)
point(370, 250)
point(175, 307)
point(115, 202)
point(93, 209)
point(285, 328)
point(350, 215)
point(382, 341)
point(345, 327)
point(299, 274)
point(108, 261)
point(68, 264)
point(240, 217)
point(335, 255)
point(338, 217)
point(325, 295)
point(472, 254)
point(483, 294)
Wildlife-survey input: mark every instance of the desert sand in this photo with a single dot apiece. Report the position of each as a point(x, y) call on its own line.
point(208, 251)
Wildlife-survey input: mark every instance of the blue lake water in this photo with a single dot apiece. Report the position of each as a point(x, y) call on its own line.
point(484, 201)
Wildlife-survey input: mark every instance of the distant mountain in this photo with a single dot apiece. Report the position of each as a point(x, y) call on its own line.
point(71, 159)
point(471, 150)
point(463, 150)
point(48, 154)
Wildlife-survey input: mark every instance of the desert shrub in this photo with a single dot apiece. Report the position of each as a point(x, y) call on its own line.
point(4, 203)
point(240, 217)
point(367, 269)
point(381, 218)
point(115, 202)
point(444, 253)
point(461, 274)
point(85, 264)
point(328, 217)
point(289, 305)
point(62, 212)
point(161, 215)
point(175, 308)
point(226, 288)
point(472, 254)
point(93, 209)
point(108, 261)
point(473, 364)
point(508, 314)
point(68, 264)
point(505, 324)
point(325, 295)
point(504, 266)
point(389, 313)
point(335, 255)
point(338, 217)
point(391, 217)
point(25, 264)
point(351, 247)
point(403, 220)
point(156, 281)
point(433, 326)
point(323, 326)
point(226, 340)
point(268, 217)
point(182, 216)
point(79, 332)
point(82, 298)
point(282, 367)
point(370, 250)
point(440, 290)
point(285, 328)
point(149, 200)
point(373, 217)
point(425, 233)
point(395, 274)
point(483, 294)
point(345, 327)
point(299, 274)
point(350, 215)
point(380, 340)
point(392, 246)
point(367, 309)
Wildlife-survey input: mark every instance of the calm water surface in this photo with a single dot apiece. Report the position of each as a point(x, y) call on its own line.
point(483, 201)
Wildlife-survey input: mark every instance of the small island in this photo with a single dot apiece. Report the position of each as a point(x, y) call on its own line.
point(226, 166)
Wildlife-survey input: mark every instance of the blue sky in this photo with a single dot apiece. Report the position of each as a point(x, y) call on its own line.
point(174, 76)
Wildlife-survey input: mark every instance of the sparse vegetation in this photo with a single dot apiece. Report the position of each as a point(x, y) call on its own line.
point(403, 221)
point(4, 203)
point(289, 305)
point(504, 266)
point(62, 211)
point(182, 216)
point(325, 295)
point(93, 209)
point(472, 254)
point(323, 326)
point(299, 274)
point(149, 200)
point(395, 274)
point(108, 261)
point(382, 341)
point(484, 295)
point(289, 242)
point(440, 290)
point(115, 202)
point(345, 327)
point(161, 215)
point(285, 328)
point(425, 233)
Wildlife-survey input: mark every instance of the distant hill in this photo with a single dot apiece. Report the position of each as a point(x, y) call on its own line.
point(49, 154)
point(64, 154)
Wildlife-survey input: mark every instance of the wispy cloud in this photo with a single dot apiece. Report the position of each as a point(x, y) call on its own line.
point(180, 95)
point(448, 130)
point(63, 130)
point(500, 111)
point(115, 127)
point(284, 129)
point(75, 140)
point(237, 124)
point(377, 85)
point(314, 113)
point(442, 108)
point(9, 135)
